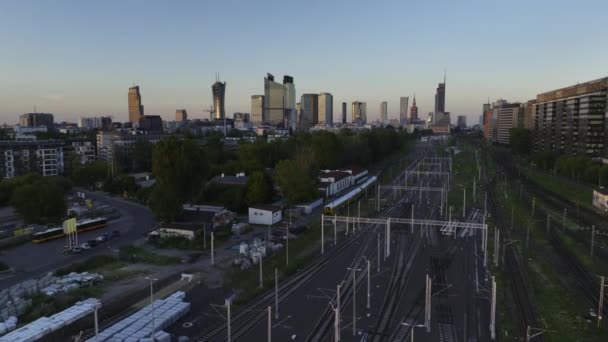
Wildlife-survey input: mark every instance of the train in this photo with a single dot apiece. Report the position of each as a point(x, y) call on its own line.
point(57, 232)
point(332, 207)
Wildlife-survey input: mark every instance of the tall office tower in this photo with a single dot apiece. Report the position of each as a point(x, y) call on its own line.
point(274, 101)
point(507, 116)
point(529, 115)
point(403, 102)
point(359, 115)
point(37, 119)
point(290, 116)
point(181, 115)
point(440, 99)
point(219, 99)
point(485, 108)
point(343, 112)
point(310, 111)
point(326, 109)
point(136, 109)
point(257, 109)
point(461, 121)
point(151, 123)
point(384, 112)
point(573, 120)
point(414, 111)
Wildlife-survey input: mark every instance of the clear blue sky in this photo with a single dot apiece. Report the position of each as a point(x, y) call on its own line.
point(77, 58)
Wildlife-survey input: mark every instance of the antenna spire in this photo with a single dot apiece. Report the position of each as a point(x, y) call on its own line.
point(444, 74)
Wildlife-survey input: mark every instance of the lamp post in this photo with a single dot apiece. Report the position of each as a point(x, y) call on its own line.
point(152, 280)
point(413, 328)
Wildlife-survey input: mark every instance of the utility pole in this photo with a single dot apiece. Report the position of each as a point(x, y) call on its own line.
point(412, 225)
point(485, 204)
point(496, 246)
point(354, 270)
point(261, 277)
point(474, 194)
point(269, 323)
point(564, 218)
point(228, 320)
point(287, 246)
point(97, 322)
point(533, 205)
point(322, 234)
point(592, 239)
point(212, 251)
point(600, 304)
point(512, 216)
point(427, 304)
point(276, 294)
point(493, 312)
point(335, 230)
point(368, 283)
point(464, 201)
point(358, 224)
point(378, 258)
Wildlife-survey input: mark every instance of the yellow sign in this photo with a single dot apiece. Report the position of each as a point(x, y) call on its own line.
point(69, 226)
point(89, 204)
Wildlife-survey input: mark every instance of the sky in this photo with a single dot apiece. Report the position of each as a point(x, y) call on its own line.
point(78, 58)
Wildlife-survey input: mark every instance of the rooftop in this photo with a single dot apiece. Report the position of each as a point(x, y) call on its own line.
point(267, 207)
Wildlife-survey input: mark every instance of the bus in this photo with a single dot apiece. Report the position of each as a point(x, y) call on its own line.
point(57, 232)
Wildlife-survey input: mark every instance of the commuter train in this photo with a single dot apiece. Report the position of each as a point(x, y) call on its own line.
point(57, 232)
point(332, 207)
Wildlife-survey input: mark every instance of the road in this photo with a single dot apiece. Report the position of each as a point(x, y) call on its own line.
point(32, 260)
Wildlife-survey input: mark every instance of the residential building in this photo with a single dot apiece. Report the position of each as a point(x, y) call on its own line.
point(358, 113)
point(528, 115)
point(383, 112)
point(266, 215)
point(326, 109)
point(18, 158)
point(136, 108)
point(572, 120)
point(310, 111)
point(461, 121)
point(151, 123)
point(109, 142)
point(344, 112)
point(103, 123)
point(218, 90)
point(257, 109)
point(503, 116)
point(403, 103)
point(36, 120)
point(488, 125)
point(181, 115)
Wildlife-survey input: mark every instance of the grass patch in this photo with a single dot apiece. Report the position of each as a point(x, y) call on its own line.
point(134, 254)
point(578, 195)
point(90, 264)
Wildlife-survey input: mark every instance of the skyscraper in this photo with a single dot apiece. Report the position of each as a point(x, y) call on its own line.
point(414, 111)
point(461, 121)
point(136, 109)
point(290, 103)
point(403, 102)
point(439, 99)
point(181, 115)
point(383, 112)
point(310, 111)
point(359, 115)
point(279, 100)
point(326, 109)
point(219, 99)
point(257, 109)
point(343, 112)
point(37, 119)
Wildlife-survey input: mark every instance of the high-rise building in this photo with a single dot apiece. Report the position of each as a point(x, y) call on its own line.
point(136, 108)
point(310, 111)
point(461, 121)
point(439, 100)
point(358, 113)
point(573, 120)
point(484, 109)
point(414, 111)
point(257, 109)
point(500, 119)
point(151, 123)
point(343, 112)
point(403, 103)
point(384, 112)
point(529, 115)
point(103, 123)
point(181, 115)
point(219, 99)
point(37, 119)
point(290, 115)
point(274, 101)
point(326, 109)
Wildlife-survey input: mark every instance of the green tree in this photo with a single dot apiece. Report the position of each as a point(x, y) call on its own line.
point(142, 156)
point(164, 203)
point(521, 140)
point(259, 188)
point(295, 184)
point(88, 175)
point(40, 202)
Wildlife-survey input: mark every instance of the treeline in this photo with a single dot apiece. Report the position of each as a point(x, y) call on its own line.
point(183, 167)
point(578, 168)
point(35, 198)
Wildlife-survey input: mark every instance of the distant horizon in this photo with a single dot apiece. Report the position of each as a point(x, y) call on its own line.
point(78, 59)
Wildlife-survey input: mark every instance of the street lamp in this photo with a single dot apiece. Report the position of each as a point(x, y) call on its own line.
point(152, 280)
point(413, 327)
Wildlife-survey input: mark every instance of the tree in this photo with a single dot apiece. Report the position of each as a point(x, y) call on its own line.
point(164, 203)
point(259, 188)
point(296, 185)
point(88, 175)
point(40, 202)
point(521, 140)
point(142, 156)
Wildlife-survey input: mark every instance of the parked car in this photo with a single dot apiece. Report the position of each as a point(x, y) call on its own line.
point(92, 243)
point(85, 246)
point(102, 238)
point(76, 250)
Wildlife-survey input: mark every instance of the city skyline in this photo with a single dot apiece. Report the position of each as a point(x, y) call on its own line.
point(75, 65)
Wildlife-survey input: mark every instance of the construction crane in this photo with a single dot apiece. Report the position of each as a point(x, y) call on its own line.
point(211, 111)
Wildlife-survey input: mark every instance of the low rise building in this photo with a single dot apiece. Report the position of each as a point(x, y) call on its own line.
point(600, 199)
point(265, 214)
point(184, 230)
point(333, 182)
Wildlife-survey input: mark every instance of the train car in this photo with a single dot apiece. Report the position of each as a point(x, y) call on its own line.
point(332, 207)
point(57, 232)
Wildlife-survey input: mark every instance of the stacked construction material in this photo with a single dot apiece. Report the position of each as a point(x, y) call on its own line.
point(46, 325)
point(138, 326)
point(72, 281)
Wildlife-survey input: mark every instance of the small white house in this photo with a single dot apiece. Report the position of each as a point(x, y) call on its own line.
point(600, 200)
point(265, 214)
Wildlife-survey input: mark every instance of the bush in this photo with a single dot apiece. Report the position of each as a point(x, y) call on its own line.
point(3, 267)
point(140, 255)
point(90, 264)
